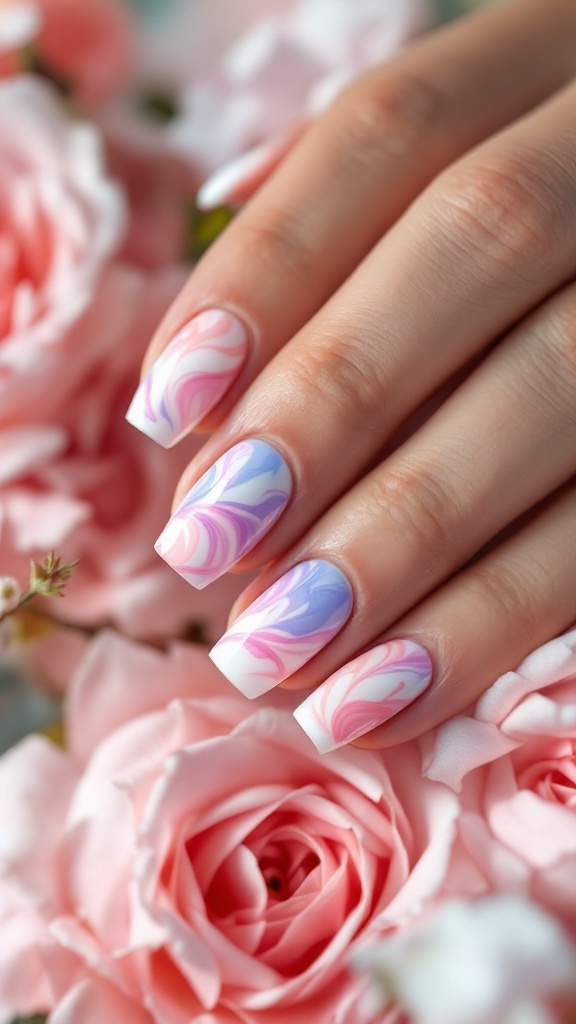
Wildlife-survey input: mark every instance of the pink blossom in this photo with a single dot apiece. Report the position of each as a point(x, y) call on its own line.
point(199, 860)
point(61, 221)
point(87, 485)
point(513, 758)
point(90, 45)
point(284, 62)
point(74, 324)
point(244, 71)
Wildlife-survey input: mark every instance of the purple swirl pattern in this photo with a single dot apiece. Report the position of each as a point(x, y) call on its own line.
point(226, 513)
point(285, 627)
point(190, 377)
point(365, 693)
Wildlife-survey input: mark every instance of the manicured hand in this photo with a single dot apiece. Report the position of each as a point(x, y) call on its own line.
point(384, 344)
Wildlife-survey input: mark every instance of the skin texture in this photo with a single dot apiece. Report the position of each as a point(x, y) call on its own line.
point(405, 275)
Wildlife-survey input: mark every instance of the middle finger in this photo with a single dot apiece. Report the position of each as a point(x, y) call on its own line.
point(491, 238)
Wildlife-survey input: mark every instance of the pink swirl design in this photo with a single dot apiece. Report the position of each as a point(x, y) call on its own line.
point(365, 693)
point(285, 627)
point(231, 507)
point(190, 377)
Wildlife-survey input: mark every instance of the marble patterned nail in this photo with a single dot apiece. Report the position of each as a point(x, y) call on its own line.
point(365, 693)
point(190, 377)
point(285, 627)
point(227, 512)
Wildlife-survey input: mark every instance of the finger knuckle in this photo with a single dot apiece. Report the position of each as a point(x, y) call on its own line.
point(417, 498)
point(277, 242)
point(389, 115)
point(499, 211)
point(512, 592)
point(344, 373)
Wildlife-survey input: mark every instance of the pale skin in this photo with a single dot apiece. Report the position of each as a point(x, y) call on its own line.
point(420, 236)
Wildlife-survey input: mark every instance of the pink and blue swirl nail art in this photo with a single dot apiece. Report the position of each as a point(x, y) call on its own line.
point(285, 627)
point(190, 377)
point(227, 512)
point(365, 693)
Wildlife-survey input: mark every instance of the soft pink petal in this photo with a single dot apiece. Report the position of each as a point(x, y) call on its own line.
point(538, 832)
point(36, 783)
point(461, 745)
point(118, 681)
point(538, 715)
point(94, 1001)
point(24, 988)
point(554, 661)
point(24, 449)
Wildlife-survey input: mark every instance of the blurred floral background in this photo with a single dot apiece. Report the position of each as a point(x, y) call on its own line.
point(170, 853)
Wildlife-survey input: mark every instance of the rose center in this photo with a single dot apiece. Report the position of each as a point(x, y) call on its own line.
point(282, 874)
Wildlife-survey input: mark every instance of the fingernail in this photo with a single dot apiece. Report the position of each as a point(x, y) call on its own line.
point(285, 627)
point(190, 377)
point(365, 693)
point(226, 513)
point(219, 188)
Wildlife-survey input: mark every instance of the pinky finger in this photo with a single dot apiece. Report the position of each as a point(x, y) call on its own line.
point(447, 651)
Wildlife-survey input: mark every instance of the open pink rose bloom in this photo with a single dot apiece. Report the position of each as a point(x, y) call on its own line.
point(171, 853)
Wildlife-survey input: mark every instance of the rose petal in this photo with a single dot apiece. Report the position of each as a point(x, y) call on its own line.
point(461, 745)
point(95, 1001)
point(36, 781)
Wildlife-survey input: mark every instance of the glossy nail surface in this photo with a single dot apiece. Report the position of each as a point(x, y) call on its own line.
point(190, 377)
point(227, 512)
point(220, 187)
point(285, 627)
point(365, 693)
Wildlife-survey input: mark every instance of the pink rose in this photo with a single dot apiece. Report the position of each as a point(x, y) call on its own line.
point(199, 860)
point(159, 186)
point(86, 484)
point(61, 220)
point(90, 45)
point(74, 324)
point(514, 760)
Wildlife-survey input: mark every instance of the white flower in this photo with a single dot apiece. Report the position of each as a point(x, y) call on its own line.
point(497, 960)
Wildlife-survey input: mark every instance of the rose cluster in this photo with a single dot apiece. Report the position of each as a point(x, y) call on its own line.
point(190, 857)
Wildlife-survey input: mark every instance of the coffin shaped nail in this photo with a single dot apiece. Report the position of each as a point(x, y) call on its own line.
point(285, 627)
point(190, 377)
point(365, 693)
point(227, 512)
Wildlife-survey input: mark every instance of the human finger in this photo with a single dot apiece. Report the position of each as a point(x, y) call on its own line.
point(457, 642)
point(347, 181)
point(504, 441)
point(481, 247)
